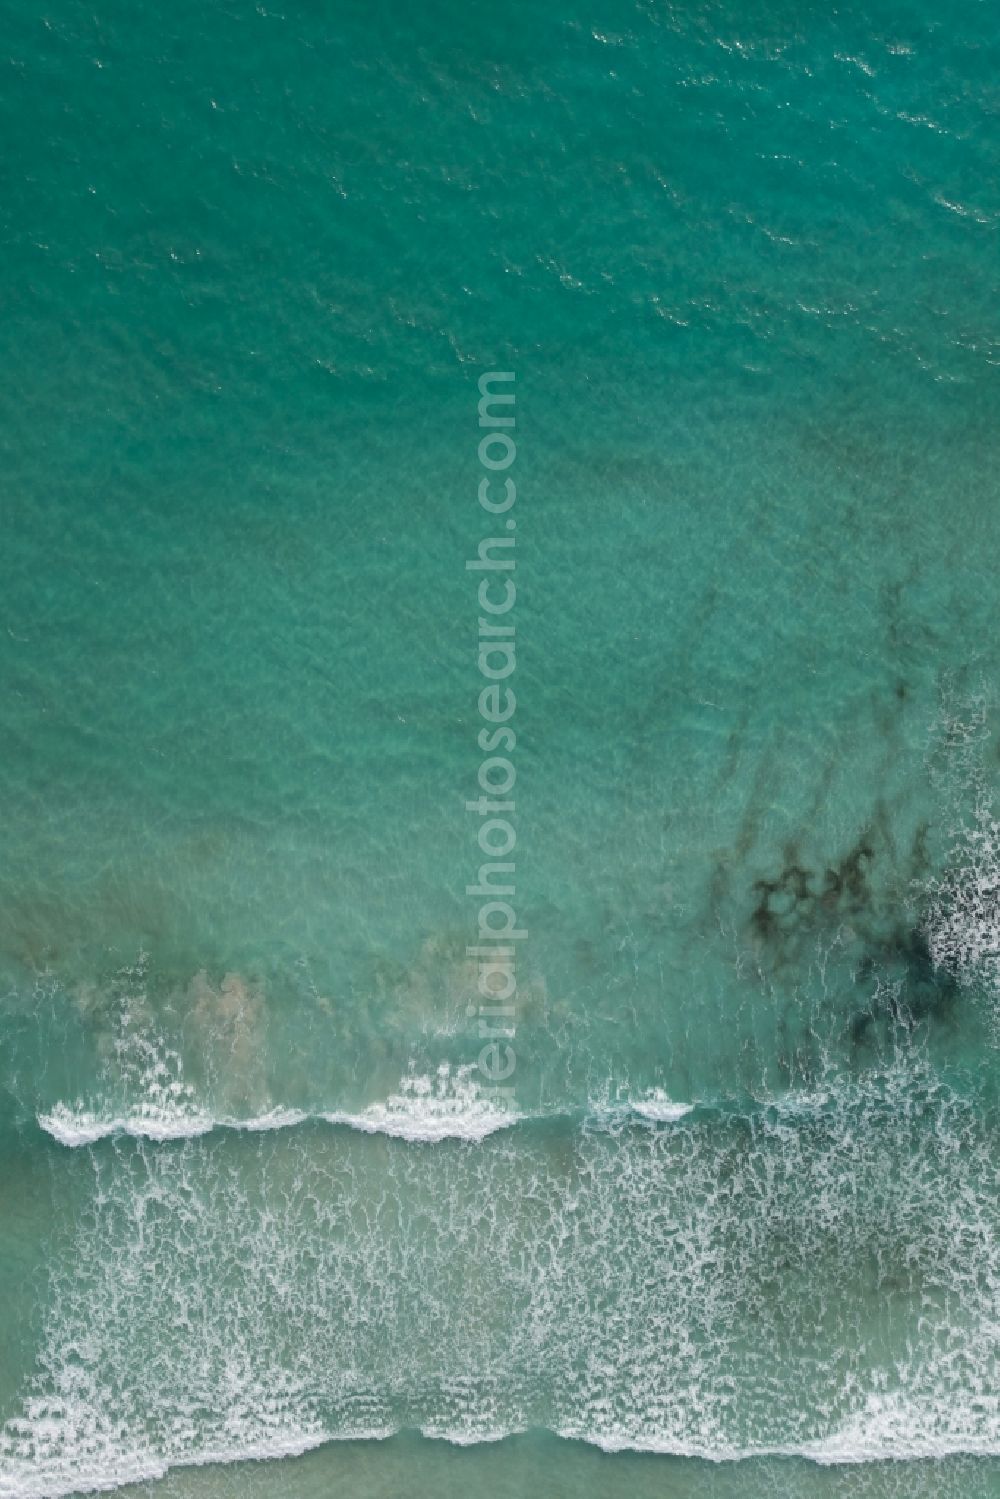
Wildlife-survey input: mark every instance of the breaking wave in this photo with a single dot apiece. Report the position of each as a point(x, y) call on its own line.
point(427, 1109)
point(836, 1262)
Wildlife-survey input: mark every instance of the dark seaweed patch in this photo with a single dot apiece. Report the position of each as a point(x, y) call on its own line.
point(783, 906)
point(895, 982)
point(917, 990)
point(846, 886)
point(905, 988)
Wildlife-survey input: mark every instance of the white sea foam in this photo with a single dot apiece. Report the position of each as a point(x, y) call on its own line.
point(611, 1106)
point(77, 1125)
point(274, 1119)
point(447, 1106)
point(897, 1427)
point(963, 905)
point(74, 1125)
point(203, 1303)
point(657, 1106)
point(145, 1091)
point(883, 1440)
point(472, 1436)
point(854, 1444)
point(963, 924)
point(113, 1468)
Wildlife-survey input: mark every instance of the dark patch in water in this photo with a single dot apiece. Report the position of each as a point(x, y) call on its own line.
point(895, 980)
point(785, 907)
point(782, 903)
point(846, 884)
point(913, 988)
point(920, 859)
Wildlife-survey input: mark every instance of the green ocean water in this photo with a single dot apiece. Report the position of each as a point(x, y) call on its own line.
point(737, 1231)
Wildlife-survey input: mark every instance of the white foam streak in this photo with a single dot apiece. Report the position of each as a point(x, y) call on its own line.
point(112, 1471)
point(456, 1437)
point(206, 1301)
point(613, 1107)
point(81, 1126)
point(850, 1447)
point(659, 1108)
point(426, 1110)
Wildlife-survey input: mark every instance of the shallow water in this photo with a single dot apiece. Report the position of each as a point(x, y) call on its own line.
point(743, 1203)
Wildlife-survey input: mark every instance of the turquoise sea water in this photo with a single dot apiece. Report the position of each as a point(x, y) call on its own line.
point(737, 1231)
